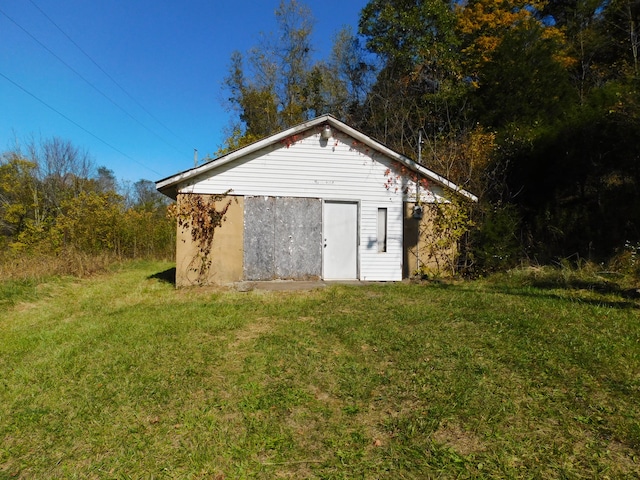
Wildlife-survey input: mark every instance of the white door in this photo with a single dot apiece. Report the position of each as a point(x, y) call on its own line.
point(340, 246)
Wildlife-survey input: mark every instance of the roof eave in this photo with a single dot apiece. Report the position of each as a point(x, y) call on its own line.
point(416, 167)
point(169, 185)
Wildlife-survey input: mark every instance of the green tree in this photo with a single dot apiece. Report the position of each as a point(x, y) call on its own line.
point(19, 196)
point(273, 90)
point(409, 34)
point(105, 180)
point(89, 223)
point(147, 198)
point(254, 101)
point(293, 55)
point(579, 20)
point(351, 72)
point(421, 91)
point(523, 82)
point(63, 171)
point(145, 230)
point(621, 22)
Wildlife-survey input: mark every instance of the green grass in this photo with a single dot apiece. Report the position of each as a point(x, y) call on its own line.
point(13, 291)
point(121, 376)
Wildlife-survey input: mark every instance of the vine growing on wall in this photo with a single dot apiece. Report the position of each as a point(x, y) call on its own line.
point(201, 215)
point(450, 220)
point(290, 140)
point(397, 177)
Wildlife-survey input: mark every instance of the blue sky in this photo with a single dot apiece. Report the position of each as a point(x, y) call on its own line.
point(169, 56)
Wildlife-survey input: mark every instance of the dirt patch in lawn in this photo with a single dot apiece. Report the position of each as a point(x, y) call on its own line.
point(461, 441)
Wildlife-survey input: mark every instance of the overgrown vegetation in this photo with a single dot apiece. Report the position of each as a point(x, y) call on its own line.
point(530, 374)
point(59, 214)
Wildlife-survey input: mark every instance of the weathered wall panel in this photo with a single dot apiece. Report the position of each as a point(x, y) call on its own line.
point(282, 238)
point(421, 257)
point(298, 238)
point(259, 240)
point(226, 250)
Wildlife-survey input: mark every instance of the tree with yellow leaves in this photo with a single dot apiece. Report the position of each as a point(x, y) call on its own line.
point(484, 25)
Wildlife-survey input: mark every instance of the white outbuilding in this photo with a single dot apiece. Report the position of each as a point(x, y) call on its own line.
point(320, 200)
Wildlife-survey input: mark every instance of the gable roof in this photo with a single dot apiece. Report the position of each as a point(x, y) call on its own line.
point(169, 186)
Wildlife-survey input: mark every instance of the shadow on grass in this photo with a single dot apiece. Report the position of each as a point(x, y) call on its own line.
point(167, 276)
point(593, 292)
point(605, 294)
point(598, 286)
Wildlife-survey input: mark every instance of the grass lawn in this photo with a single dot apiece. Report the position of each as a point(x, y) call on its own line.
point(122, 376)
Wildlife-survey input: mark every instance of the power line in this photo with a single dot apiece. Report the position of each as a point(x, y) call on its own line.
point(88, 82)
point(107, 74)
point(77, 124)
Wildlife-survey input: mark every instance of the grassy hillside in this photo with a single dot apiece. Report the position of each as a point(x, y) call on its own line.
point(121, 376)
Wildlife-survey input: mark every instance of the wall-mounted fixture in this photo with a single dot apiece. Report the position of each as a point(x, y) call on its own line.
point(417, 212)
point(326, 133)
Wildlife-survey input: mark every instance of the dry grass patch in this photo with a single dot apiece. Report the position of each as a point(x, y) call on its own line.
point(462, 441)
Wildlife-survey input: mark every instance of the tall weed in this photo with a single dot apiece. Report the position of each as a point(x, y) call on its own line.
point(38, 267)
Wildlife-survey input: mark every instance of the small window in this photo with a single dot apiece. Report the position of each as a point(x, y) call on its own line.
point(382, 230)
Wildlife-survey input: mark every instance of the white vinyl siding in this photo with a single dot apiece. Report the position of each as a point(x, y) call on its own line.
point(338, 170)
point(376, 266)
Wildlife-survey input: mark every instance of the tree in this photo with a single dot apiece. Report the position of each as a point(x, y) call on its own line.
point(255, 103)
point(523, 82)
point(351, 73)
point(273, 90)
point(147, 198)
point(105, 180)
point(409, 33)
point(293, 55)
point(621, 22)
point(19, 202)
point(420, 91)
point(484, 24)
point(88, 222)
point(579, 21)
point(63, 171)
point(62, 205)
